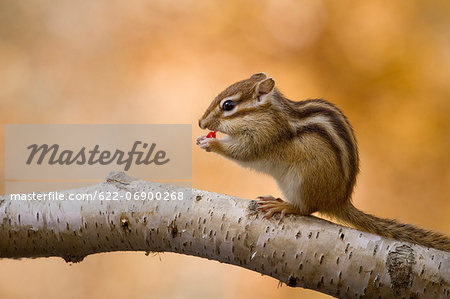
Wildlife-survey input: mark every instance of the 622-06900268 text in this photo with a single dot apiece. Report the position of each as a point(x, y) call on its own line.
point(142, 195)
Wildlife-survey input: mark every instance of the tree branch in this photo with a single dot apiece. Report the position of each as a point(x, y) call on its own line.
point(300, 251)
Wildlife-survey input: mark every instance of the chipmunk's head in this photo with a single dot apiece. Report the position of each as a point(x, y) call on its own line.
point(243, 105)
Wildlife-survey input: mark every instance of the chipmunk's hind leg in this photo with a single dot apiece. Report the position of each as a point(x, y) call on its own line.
point(271, 205)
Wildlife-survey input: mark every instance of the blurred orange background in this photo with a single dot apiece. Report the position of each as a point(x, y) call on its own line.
point(386, 64)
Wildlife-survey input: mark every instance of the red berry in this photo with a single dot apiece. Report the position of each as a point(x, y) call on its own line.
point(211, 135)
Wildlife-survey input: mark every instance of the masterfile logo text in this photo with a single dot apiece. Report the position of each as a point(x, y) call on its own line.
point(89, 152)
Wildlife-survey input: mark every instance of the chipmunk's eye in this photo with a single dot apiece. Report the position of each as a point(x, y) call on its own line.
point(228, 105)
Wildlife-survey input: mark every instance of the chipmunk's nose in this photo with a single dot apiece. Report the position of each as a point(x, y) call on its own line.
point(201, 124)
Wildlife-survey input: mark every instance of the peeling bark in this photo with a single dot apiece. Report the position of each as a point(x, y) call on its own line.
point(300, 251)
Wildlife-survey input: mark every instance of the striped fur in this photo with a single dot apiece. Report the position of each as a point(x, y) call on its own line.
point(309, 147)
point(340, 134)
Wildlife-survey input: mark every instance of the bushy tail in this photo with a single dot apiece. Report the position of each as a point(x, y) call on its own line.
point(392, 229)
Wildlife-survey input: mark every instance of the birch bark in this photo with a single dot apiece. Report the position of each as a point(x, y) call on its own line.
point(303, 252)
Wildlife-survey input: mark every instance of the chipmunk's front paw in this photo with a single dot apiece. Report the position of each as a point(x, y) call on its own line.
point(206, 143)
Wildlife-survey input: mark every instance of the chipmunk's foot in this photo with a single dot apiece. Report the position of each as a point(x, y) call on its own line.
point(271, 205)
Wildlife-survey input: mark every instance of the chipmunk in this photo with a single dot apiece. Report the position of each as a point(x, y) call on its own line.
point(308, 147)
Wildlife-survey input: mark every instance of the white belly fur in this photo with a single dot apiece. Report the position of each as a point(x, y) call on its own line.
point(288, 179)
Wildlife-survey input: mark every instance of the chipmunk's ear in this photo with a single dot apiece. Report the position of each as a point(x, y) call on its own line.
point(264, 88)
point(259, 76)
